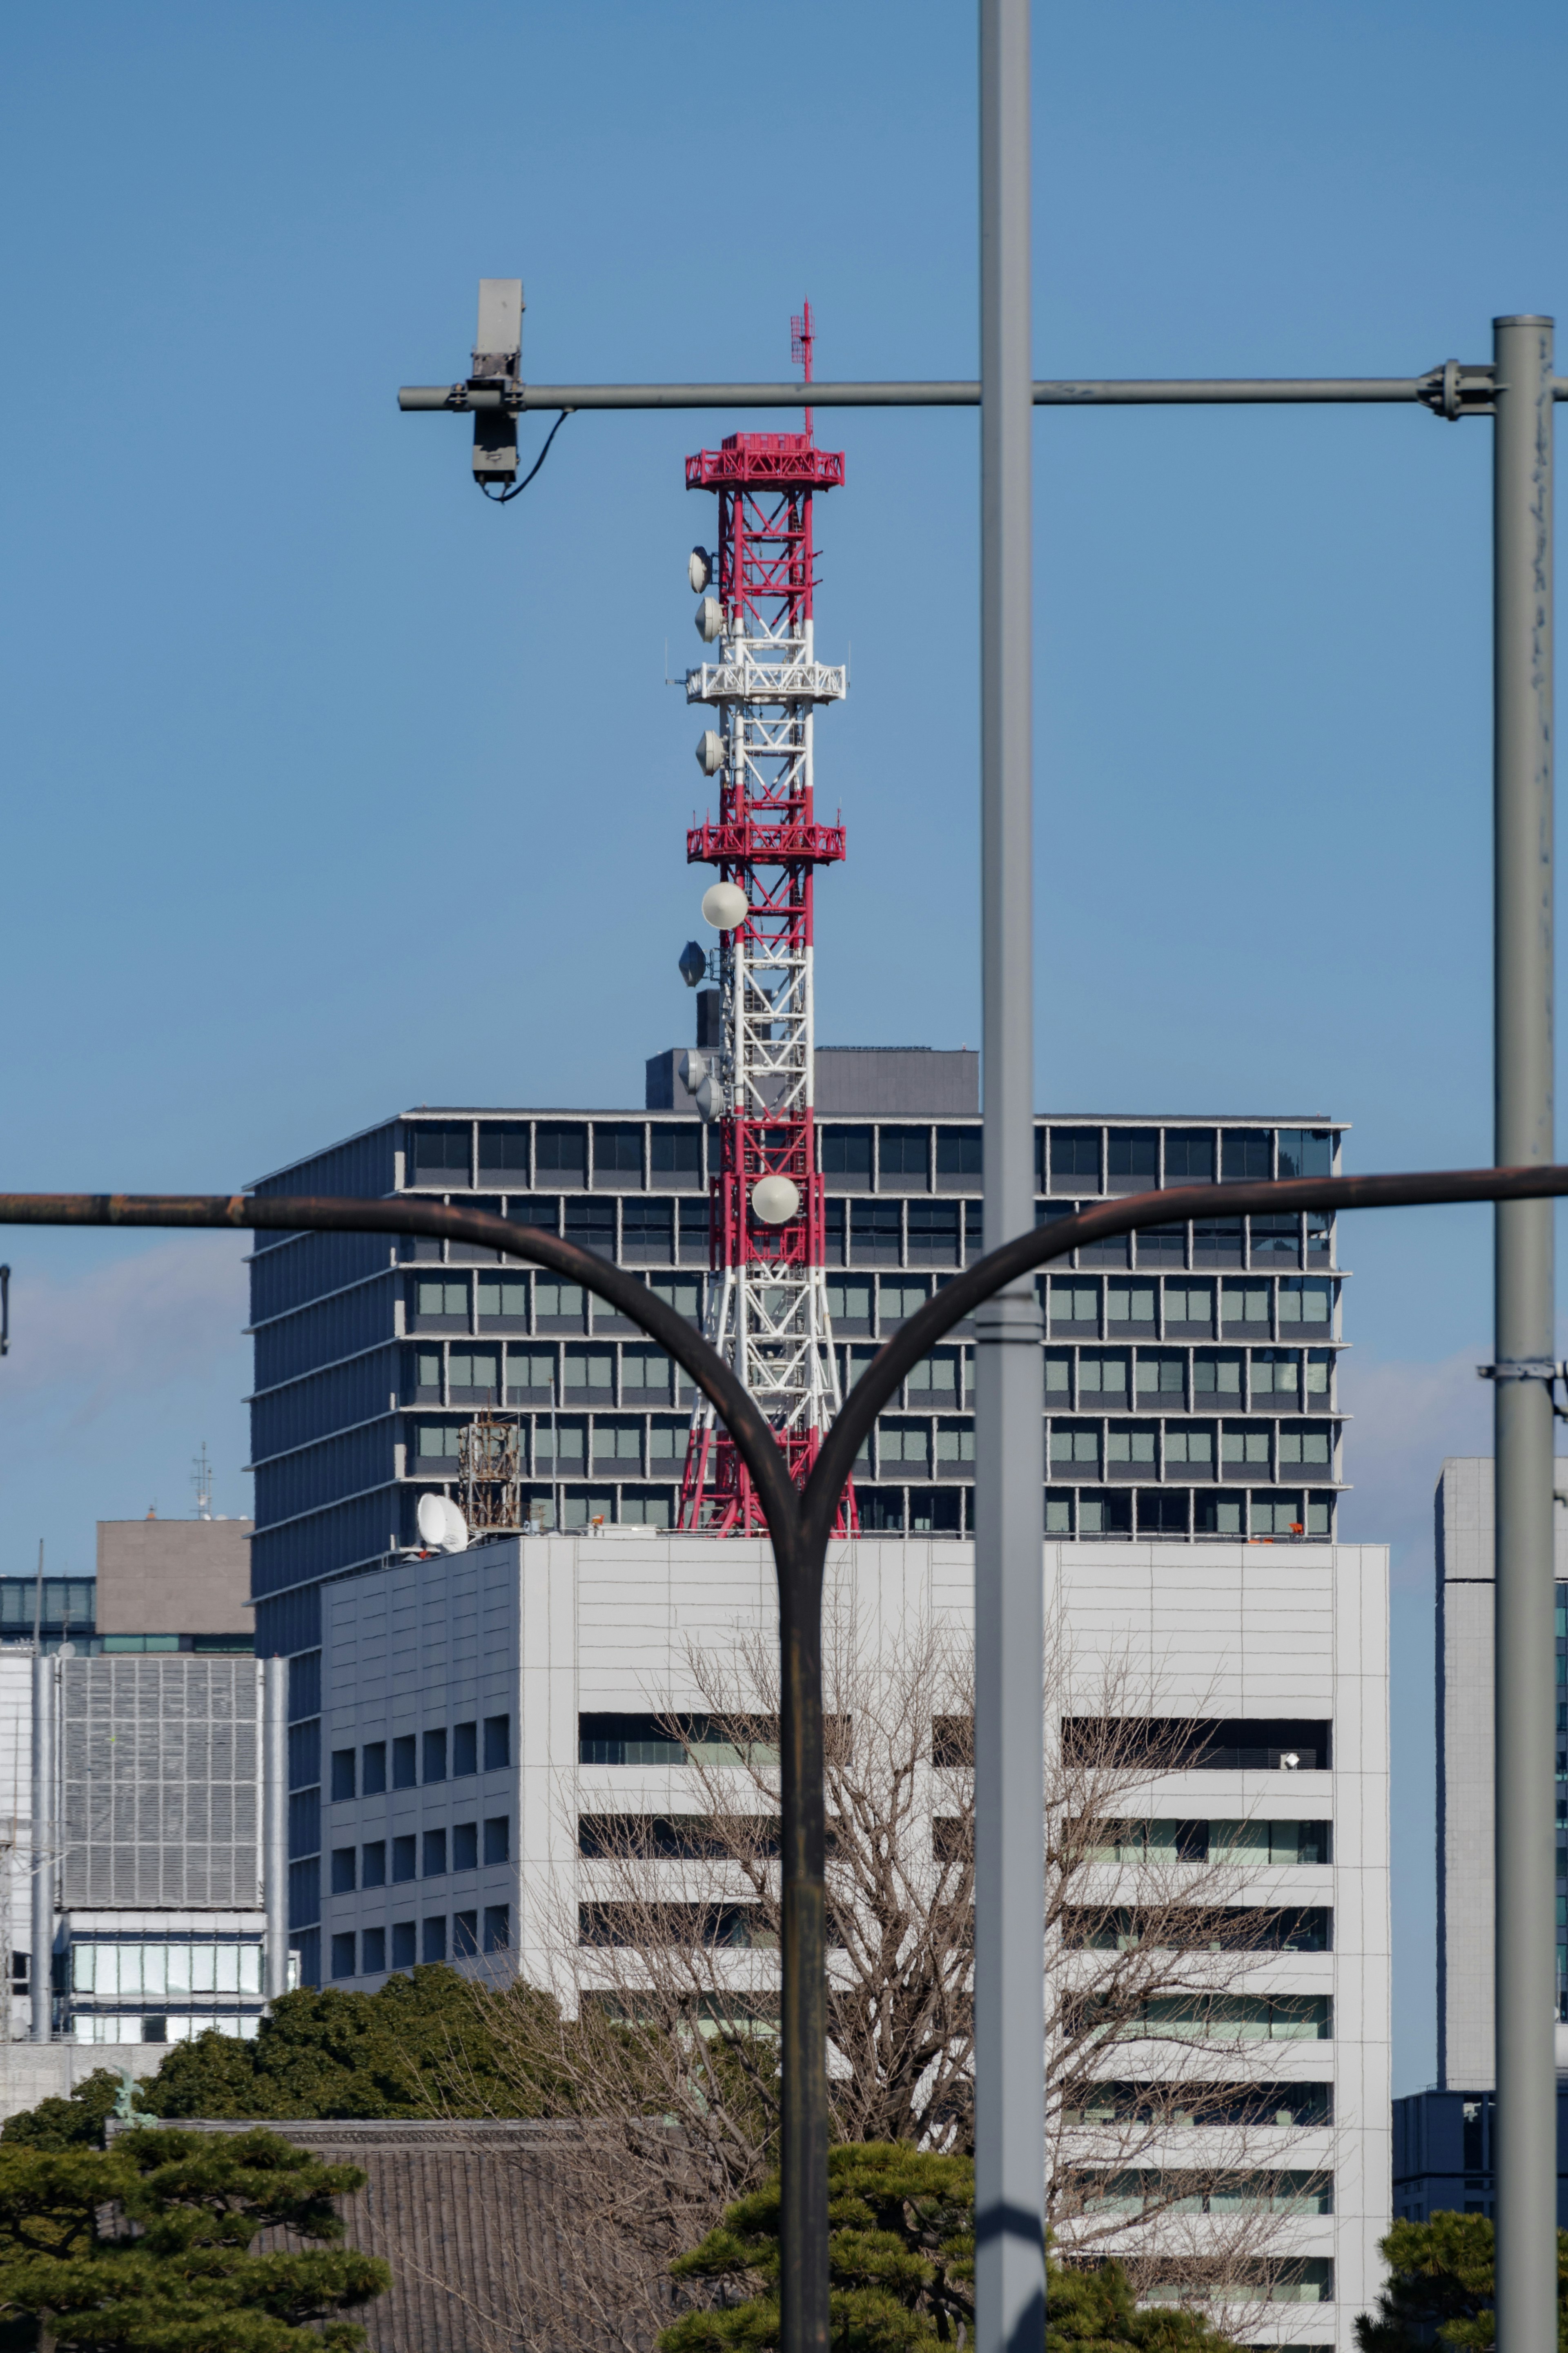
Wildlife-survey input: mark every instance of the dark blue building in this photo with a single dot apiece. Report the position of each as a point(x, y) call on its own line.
point(1190, 1378)
point(1443, 2155)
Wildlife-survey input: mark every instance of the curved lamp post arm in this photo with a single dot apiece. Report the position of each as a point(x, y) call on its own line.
point(960, 1296)
point(307, 1214)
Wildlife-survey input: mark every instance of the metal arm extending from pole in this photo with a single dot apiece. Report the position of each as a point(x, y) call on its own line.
point(1455, 389)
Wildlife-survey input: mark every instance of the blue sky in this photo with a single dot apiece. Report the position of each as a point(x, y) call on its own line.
point(331, 789)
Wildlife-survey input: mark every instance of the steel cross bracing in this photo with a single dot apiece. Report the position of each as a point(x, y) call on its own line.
point(767, 1312)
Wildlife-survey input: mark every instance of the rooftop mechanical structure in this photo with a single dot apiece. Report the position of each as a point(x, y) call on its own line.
point(767, 1313)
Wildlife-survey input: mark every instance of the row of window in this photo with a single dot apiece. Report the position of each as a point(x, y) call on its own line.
point(666, 1838)
point(599, 1373)
point(1226, 1744)
point(626, 1446)
point(111, 1972)
point(659, 1231)
point(1224, 1927)
point(363, 1772)
point(1147, 2190)
point(1265, 1515)
point(428, 1854)
point(1076, 1305)
point(365, 1953)
point(162, 2026)
point(523, 1155)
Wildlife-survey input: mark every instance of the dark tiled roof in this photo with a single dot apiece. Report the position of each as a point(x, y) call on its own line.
point(475, 2220)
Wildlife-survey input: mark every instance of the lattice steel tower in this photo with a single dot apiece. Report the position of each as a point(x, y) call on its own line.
point(767, 1309)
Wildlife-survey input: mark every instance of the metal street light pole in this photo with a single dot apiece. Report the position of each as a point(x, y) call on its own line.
point(1525, 1693)
point(1009, 1619)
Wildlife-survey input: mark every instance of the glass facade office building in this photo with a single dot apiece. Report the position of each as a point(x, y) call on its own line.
point(1189, 1375)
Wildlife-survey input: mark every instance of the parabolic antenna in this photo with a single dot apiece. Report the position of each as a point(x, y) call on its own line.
point(775, 1200)
point(724, 906)
point(442, 1527)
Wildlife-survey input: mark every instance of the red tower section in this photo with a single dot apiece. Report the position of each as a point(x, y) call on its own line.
point(768, 1307)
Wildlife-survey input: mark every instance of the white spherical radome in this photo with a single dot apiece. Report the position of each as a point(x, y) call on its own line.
point(709, 618)
point(775, 1200)
point(724, 906)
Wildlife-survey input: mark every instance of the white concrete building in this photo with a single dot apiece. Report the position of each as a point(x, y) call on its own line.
point(469, 1714)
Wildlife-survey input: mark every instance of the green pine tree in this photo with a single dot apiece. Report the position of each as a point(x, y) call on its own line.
point(174, 2272)
point(423, 2046)
point(1441, 2285)
point(902, 2269)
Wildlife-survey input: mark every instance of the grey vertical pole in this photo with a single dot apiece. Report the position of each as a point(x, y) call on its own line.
point(43, 1844)
point(1009, 1471)
point(1526, 2128)
point(275, 1822)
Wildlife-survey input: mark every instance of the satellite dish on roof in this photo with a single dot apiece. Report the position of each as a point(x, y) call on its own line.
point(442, 1527)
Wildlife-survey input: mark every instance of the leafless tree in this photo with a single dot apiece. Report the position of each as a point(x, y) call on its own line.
point(660, 2036)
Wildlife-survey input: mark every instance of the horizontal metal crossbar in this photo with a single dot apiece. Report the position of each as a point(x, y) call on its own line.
point(1452, 390)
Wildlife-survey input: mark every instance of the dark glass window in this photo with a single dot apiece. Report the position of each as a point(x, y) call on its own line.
point(342, 1774)
point(960, 1151)
point(435, 1756)
point(497, 1742)
point(498, 1928)
point(876, 1232)
point(847, 1152)
point(1216, 1241)
point(1075, 1159)
point(1275, 1237)
point(403, 1944)
point(934, 1232)
point(561, 1152)
point(342, 1871)
point(403, 1858)
point(1162, 1512)
point(694, 1232)
point(1163, 1246)
point(497, 1839)
point(881, 1509)
point(344, 1955)
point(1245, 1155)
point(372, 1863)
point(465, 1749)
point(834, 1224)
point(435, 1854)
point(591, 1224)
point(675, 1151)
point(304, 1754)
point(305, 1822)
point(541, 1209)
point(647, 1230)
point(441, 1158)
point(374, 1945)
point(434, 1943)
point(374, 1768)
point(503, 1157)
point(1306, 1152)
point(1132, 1160)
point(1189, 1155)
point(465, 1846)
point(617, 1149)
point(905, 1152)
point(403, 1754)
point(465, 1934)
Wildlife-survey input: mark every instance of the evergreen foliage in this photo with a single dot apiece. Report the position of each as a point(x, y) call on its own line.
point(1441, 2287)
point(423, 2046)
point(148, 2246)
point(901, 2266)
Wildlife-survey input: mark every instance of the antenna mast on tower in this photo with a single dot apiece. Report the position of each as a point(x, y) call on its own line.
point(767, 1306)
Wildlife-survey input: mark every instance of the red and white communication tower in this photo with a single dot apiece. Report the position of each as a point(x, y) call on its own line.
point(768, 1311)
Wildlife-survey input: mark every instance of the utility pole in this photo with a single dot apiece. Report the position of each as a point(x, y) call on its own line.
point(1525, 1692)
point(1010, 1605)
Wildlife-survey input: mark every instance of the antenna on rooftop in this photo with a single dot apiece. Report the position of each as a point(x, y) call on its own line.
point(202, 1481)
